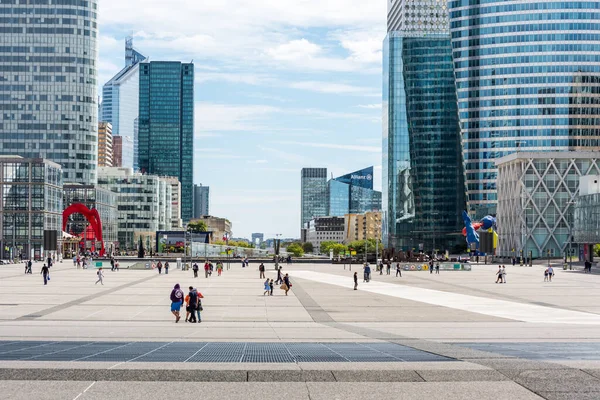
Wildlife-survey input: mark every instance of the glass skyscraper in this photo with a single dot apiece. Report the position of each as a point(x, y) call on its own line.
point(166, 125)
point(353, 194)
point(120, 102)
point(314, 194)
point(423, 176)
point(528, 77)
point(48, 83)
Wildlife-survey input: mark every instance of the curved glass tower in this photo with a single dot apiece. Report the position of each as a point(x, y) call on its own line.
point(528, 77)
point(48, 83)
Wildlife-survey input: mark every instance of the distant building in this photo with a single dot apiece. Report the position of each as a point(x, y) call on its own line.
point(105, 144)
point(166, 125)
point(314, 194)
point(362, 226)
point(220, 227)
point(258, 238)
point(201, 201)
point(120, 102)
point(586, 232)
point(353, 194)
point(176, 222)
point(32, 203)
point(537, 193)
point(143, 204)
point(325, 229)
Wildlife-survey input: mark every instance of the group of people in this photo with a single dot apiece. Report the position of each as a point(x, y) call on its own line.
point(208, 269)
point(587, 267)
point(82, 261)
point(269, 284)
point(548, 274)
point(159, 266)
point(501, 274)
point(193, 304)
point(435, 267)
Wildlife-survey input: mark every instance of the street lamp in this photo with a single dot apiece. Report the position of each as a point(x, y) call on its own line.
point(571, 235)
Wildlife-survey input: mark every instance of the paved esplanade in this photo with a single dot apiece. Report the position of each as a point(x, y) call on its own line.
point(457, 335)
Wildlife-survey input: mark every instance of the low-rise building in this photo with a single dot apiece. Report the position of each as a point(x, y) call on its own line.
point(220, 227)
point(362, 226)
point(142, 203)
point(325, 229)
point(32, 202)
point(537, 193)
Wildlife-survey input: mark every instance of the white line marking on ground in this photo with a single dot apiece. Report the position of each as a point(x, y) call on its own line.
point(497, 308)
point(88, 388)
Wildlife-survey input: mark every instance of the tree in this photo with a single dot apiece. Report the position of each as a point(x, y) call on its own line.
point(597, 250)
point(197, 227)
point(338, 249)
point(295, 249)
point(326, 246)
point(308, 247)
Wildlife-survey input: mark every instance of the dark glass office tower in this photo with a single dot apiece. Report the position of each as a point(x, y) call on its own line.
point(423, 178)
point(314, 194)
point(166, 125)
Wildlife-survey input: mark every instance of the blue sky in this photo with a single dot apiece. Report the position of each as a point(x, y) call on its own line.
point(280, 85)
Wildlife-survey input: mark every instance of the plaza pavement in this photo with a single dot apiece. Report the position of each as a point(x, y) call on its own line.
point(527, 339)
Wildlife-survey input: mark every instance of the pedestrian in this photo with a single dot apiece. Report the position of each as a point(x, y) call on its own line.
point(112, 264)
point(279, 277)
point(29, 265)
point(499, 274)
point(437, 268)
point(550, 273)
point(210, 268)
point(287, 285)
point(219, 268)
point(166, 268)
point(206, 269)
point(389, 268)
point(431, 267)
point(267, 287)
point(75, 261)
point(176, 301)
point(199, 305)
point(546, 275)
point(153, 265)
point(191, 301)
point(503, 274)
point(100, 277)
point(398, 270)
point(195, 268)
point(367, 273)
point(271, 285)
point(381, 268)
point(159, 266)
point(78, 262)
point(46, 274)
point(356, 281)
point(117, 266)
point(49, 261)
point(261, 269)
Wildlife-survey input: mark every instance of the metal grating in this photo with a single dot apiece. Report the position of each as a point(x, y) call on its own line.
point(540, 351)
point(212, 352)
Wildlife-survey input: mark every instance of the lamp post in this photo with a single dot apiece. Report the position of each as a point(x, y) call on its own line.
point(571, 235)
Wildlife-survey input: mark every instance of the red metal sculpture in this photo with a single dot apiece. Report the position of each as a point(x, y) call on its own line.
point(91, 215)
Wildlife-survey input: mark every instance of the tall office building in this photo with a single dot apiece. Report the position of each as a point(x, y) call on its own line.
point(48, 84)
point(314, 202)
point(353, 194)
point(120, 102)
point(423, 179)
point(201, 201)
point(105, 145)
point(166, 125)
point(528, 77)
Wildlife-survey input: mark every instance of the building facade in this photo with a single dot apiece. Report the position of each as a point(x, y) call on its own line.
point(537, 196)
point(528, 78)
point(120, 102)
point(220, 227)
point(423, 179)
point(362, 227)
point(139, 200)
point(314, 201)
point(352, 194)
point(201, 201)
point(31, 204)
point(48, 82)
point(105, 144)
point(324, 229)
point(586, 230)
point(103, 200)
point(166, 125)
point(176, 222)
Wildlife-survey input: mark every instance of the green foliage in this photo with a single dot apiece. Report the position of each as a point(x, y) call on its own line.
point(597, 250)
point(197, 227)
point(359, 246)
point(296, 249)
point(308, 247)
point(337, 248)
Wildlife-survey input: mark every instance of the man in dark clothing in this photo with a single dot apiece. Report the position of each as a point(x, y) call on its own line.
point(45, 272)
point(356, 281)
point(398, 270)
point(112, 264)
point(159, 266)
point(271, 287)
point(49, 261)
point(193, 304)
point(195, 268)
point(279, 280)
point(29, 265)
point(261, 268)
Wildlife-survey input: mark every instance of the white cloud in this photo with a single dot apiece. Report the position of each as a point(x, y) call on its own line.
point(375, 106)
point(329, 87)
point(294, 50)
point(368, 149)
point(212, 117)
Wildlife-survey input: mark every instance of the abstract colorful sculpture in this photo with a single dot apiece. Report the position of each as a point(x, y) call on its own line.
point(91, 215)
point(470, 231)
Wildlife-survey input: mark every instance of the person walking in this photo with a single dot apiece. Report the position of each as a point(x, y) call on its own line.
point(503, 274)
point(219, 268)
point(45, 273)
point(176, 301)
point(279, 277)
point(75, 261)
point(206, 269)
point(546, 275)
point(192, 303)
point(356, 281)
point(381, 268)
point(261, 269)
point(199, 305)
point(437, 268)
point(550, 273)
point(267, 287)
point(398, 270)
point(112, 264)
point(389, 268)
point(499, 274)
point(78, 262)
point(29, 265)
point(166, 268)
point(195, 268)
point(117, 266)
point(367, 273)
point(159, 266)
point(271, 285)
point(287, 285)
point(100, 277)
point(431, 267)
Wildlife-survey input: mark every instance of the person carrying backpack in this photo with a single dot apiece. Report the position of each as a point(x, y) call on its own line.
point(176, 301)
point(261, 268)
point(192, 304)
point(195, 268)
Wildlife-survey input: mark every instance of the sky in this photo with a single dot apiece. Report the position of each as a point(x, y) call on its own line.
point(280, 85)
